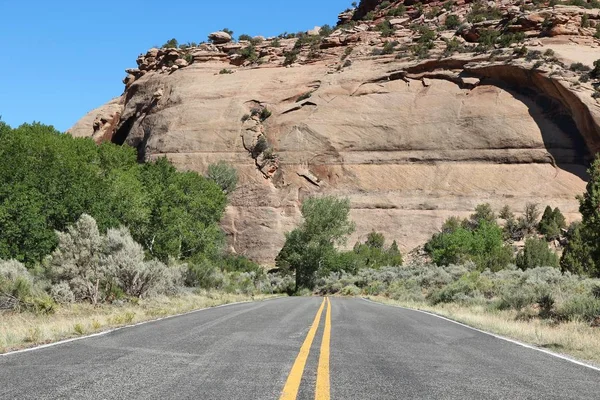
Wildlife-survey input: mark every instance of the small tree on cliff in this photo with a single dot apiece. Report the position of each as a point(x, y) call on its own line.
point(310, 248)
point(223, 175)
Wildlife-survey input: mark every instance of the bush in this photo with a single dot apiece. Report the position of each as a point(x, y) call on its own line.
point(259, 147)
point(480, 12)
point(62, 293)
point(536, 254)
point(580, 307)
point(559, 296)
point(20, 292)
point(77, 260)
point(96, 267)
point(249, 53)
point(371, 254)
point(224, 175)
point(325, 30)
point(579, 67)
point(127, 268)
point(477, 240)
point(350, 290)
point(457, 291)
point(452, 21)
point(553, 221)
point(516, 297)
point(203, 274)
point(385, 28)
point(397, 11)
point(171, 44)
point(290, 57)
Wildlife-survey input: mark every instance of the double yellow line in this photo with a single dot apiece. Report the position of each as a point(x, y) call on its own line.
point(292, 385)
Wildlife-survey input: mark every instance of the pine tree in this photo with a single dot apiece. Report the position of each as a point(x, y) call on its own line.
point(582, 254)
point(576, 257)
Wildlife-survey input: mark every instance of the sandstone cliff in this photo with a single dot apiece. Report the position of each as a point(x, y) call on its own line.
point(411, 117)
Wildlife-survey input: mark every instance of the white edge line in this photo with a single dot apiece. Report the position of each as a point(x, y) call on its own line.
point(44, 346)
point(528, 346)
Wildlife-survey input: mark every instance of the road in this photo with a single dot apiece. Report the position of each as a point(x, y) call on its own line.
point(304, 348)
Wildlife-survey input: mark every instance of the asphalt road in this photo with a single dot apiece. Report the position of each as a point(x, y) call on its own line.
point(249, 351)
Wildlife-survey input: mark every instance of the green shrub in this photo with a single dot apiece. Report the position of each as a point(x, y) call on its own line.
point(580, 307)
point(20, 292)
point(397, 11)
point(350, 291)
point(516, 297)
point(372, 254)
point(171, 44)
point(546, 303)
point(585, 21)
point(62, 293)
point(453, 46)
point(304, 96)
point(481, 12)
point(536, 254)
point(259, 147)
point(595, 72)
point(553, 221)
point(457, 291)
point(78, 329)
point(249, 53)
point(325, 30)
point(389, 47)
point(506, 39)
point(290, 57)
point(452, 21)
point(224, 175)
point(93, 264)
point(579, 67)
point(482, 244)
point(385, 28)
point(369, 16)
point(265, 113)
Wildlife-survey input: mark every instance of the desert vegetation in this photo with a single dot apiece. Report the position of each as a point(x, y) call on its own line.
point(494, 271)
point(311, 252)
point(84, 224)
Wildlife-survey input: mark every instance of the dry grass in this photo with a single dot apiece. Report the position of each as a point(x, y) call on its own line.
point(575, 339)
point(26, 330)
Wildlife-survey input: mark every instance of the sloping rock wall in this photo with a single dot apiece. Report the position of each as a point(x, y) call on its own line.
point(411, 142)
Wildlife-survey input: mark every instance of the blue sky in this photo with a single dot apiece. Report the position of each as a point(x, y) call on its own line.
point(61, 59)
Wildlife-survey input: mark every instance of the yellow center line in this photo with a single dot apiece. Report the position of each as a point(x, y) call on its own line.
point(292, 385)
point(323, 383)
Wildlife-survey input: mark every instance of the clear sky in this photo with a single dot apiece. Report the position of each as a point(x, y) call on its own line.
point(60, 59)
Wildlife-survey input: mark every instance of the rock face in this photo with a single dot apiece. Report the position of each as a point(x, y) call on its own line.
point(410, 141)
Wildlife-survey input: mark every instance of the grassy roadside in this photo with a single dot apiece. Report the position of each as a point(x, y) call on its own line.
point(21, 330)
point(575, 339)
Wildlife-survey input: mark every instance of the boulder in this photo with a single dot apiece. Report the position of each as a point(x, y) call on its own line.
point(220, 37)
point(316, 31)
